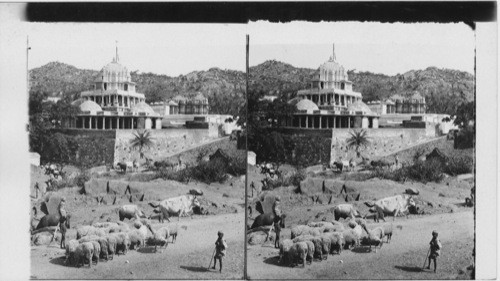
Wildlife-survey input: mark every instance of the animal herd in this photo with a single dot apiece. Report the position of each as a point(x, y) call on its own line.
point(317, 240)
point(103, 240)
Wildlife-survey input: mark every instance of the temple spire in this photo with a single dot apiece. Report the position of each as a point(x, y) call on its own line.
point(116, 57)
point(333, 54)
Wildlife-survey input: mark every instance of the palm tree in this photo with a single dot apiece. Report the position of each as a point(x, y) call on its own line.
point(358, 139)
point(142, 139)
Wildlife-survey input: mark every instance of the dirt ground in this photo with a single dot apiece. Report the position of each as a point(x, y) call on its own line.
point(444, 211)
point(188, 258)
point(402, 258)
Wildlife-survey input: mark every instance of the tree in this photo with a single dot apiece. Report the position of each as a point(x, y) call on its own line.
point(142, 139)
point(358, 139)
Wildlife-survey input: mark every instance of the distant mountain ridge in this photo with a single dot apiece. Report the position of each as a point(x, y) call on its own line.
point(443, 88)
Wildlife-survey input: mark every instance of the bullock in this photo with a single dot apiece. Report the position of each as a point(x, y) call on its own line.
point(181, 205)
point(53, 220)
point(345, 211)
point(130, 212)
point(395, 205)
point(341, 165)
point(121, 166)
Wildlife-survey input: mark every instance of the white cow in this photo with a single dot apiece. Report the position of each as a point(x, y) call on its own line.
point(395, 205)
point(181, 205)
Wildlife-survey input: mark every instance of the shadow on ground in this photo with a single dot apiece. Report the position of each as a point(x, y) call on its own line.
point(149, 250)
point(362, 249)
point(58, 260)
point(195, 268)
point(409, 268)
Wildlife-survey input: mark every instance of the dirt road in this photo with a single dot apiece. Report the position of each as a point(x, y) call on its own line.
point(401, 259)
point(188, 258)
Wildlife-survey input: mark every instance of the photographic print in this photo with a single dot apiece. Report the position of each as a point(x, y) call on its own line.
point(361, 142)
point(137, 160)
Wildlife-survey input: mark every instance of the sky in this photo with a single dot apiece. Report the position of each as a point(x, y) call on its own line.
point(375, 47)
point(175, 49)
point(170, 49)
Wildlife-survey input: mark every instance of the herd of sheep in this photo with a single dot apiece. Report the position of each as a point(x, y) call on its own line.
point(319, 239)
point(102, 240)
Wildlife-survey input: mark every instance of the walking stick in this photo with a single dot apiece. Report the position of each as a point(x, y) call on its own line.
point(211, 259)
point(427, 256)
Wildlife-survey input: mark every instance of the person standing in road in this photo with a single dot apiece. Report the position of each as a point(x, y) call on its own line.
point(220, 250)
point(435, 250)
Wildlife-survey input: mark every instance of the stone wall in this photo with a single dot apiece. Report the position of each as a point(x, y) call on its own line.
point(166, 143)
point(383, 141)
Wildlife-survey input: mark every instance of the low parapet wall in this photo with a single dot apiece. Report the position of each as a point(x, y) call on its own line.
point(382, 141)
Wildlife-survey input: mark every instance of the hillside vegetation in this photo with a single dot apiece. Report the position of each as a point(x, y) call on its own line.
point(444, 89)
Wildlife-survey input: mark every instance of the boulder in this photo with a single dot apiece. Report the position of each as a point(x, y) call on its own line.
point(314, 169)
point(412, 191)
point(195, 191)
point(311, 186)
point(259, 237)
point(51, 203)
point(251, 158)
point(98, 170)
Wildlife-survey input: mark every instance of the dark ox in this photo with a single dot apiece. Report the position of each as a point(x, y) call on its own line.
point(181, 205)
point(267, 220)
point(53, 220)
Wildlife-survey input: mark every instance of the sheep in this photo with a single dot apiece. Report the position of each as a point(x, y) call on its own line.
point(299, 250)
point(85, 230)
point(103, 242)
point(84, 251)
point(350, 238)
point(374, 237)
point(320, 224)
point(336, 241)
point(318, 247)
point(334, 228)
point(160, 237)
point(388, 229)
point(136, 239)
point(97, 251)
point(122, 242)
point(173, 233)
point(345, 211)
point(111, 245)
point(326, 245)
point(104, 224)
point(285, 247)
point(302, 238)
point(70, 251)
point(130, 212)
point(304, 229)
point(310, 250)
point(89, 238)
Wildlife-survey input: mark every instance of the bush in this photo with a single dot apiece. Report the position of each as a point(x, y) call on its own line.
point(297, 177)
point(211, 171)
point(81, 179)
point(459, 165)
point(431, 170)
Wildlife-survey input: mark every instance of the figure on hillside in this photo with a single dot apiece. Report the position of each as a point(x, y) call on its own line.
point(220, 250)
point(62, 208)
point(277, 207)
point(435, 250)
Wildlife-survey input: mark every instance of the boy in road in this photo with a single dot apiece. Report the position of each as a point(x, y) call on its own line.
point(220, 250)
point(435, 250)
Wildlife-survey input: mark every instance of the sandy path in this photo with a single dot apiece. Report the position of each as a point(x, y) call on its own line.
point(187, 258)
point(401, 259)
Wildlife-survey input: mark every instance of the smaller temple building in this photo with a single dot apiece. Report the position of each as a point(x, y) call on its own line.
point(198, 105)
point(414, 104)
point(114, 104)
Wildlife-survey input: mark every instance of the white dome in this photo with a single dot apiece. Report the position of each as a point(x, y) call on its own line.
point(143, 107)
point(90, 106)
point(306, 104)
point(359, 106)
point(114, 72)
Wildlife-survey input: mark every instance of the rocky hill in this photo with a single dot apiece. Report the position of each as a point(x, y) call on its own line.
point(444, 89)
